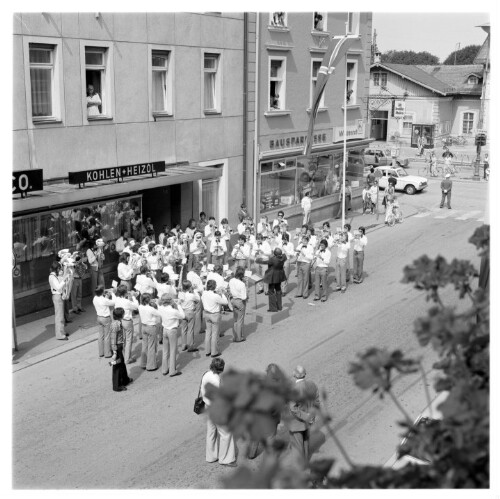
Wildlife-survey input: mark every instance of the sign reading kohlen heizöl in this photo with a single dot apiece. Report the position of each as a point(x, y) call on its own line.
point(24, 181)
point(116, 172)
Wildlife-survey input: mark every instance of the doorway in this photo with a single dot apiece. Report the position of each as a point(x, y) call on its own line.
point(378, 127)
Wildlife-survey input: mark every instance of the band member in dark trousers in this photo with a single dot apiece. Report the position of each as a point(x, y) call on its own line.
point(120, 376)
point(274, 276)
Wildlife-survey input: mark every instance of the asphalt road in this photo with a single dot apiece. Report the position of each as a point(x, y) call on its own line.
point(70, 430)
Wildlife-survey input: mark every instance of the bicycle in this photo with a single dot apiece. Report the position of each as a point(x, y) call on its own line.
point(460, 140)
point(396, 216)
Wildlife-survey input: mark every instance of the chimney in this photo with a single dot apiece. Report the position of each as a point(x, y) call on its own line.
point(376, 58)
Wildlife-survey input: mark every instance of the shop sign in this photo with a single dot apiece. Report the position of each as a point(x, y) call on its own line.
point(297, 141)
point(356, 131)
point(116, 173)
point(27, 181)
point(399, 108)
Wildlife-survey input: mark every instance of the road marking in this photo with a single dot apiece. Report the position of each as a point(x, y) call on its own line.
point(470, 214)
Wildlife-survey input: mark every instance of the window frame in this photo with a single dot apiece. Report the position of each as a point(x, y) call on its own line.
point(353, 23)
point(218, 81)
point(169, 111)
point(285, 21)
point(57, 84)
point(325, 22)
point(282, 94)
point(462, 122)
point(352, 101)
point(403, 121)
point(108, 86)
point(312, 87)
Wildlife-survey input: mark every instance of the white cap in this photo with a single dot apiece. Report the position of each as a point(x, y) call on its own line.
point(447, 175)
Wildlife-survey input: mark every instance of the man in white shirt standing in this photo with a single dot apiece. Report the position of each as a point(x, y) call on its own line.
point(56, 288)
point(189, 300)
point(193, 276)
point(121, 301)
point(323, 256)
point(306, 207)
point(241, 252)
point(305, 254)
point(239, 298)
point(211, 305)
point(343, 246)
point(216, 275)
point(359, 243)
point(102, 303)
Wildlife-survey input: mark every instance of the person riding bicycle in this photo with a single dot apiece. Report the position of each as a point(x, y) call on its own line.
point(448, 165)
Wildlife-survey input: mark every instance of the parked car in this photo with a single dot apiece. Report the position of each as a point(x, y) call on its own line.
point(379, 157)
point(407, 183)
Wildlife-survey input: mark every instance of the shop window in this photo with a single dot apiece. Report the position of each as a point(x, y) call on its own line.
point(351, 81)
point(212, 83)
point(277, 190)
point(278, 19)
point(467, 123)
point(161, 83)
point(38, 238)
point(98, 82)
point(353, 23)
point(277, 83)
point(319, 21)
point(316, 64)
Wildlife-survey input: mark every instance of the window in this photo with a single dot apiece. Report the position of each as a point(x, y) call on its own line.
point(161, 90)
point(277, 83)
point(351, 81)
point(407, 124)
point(319, 21)
point(41, 79)
point(468, 123)
point(380, 79)
point(210, 197)
point(473, 80)
point(316, 64)
point(212, 97)
point(353, 23)
point(278, 19)
point(97, 82)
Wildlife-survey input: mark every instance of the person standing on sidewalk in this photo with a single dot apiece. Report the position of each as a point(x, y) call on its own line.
point(76, 289)
point(306, 205)
point(102, 302)
point(239, 296)
point(56, 287)
point(129, 304)
point(446, 185)
point(120, 377)
point(322, 257)
point(189, 300)
point(341, 262)
point(359, 243)
point(149, 320)
point(95, 258)
point(212, 302)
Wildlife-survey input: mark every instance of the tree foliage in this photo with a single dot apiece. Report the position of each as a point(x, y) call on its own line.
point(463, 56)
point(456, 446)
point(409, 57)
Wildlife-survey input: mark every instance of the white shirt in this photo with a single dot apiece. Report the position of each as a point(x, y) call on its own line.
point(127, 305)
point(120, 245)
point(209, 230)
point(91, 257)
point(277, 221)
point(188, 300)
point(170, 316)
point(359, 244)
point(209, 378)
point(313, 241)
point(323, 258)
point(125, 273)
point(241, 252)
point(196, 248)
point(306, 203)
point(264, 248)
point(148, 315)
point(241, 228)
point(238, 289)
point(55, 286)
point(219, 280)
point(195, 280)
point(218, 248)
point(152, 262)
point(288, 249)
point(165, 288)
point(343, 250)
point(144, 284)
point(263, 228)
point(102, 304)
point(306, 253)
point(212, 302)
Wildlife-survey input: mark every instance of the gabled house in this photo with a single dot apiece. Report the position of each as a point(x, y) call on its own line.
point(409, 101)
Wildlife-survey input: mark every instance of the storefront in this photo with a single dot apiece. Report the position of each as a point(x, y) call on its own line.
point(427, 132)
point(66, 216)
point(285, 174)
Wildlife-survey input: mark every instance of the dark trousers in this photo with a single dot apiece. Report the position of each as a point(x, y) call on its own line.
point(358, 259)
point(299, 441)
point(275, 296)
point(303, 271)
point(66, 309)
point(120, 376)
point(446, 196)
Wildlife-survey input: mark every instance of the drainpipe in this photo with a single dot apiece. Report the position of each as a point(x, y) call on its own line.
point(256, 118)
point(245, 104)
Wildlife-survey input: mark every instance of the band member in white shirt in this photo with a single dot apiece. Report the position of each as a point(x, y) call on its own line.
point(212, 302)
point(305, 255)
point(322, 259)
point(189, 299)
point(289, 250)
point(129, 303)
point(210, 229)
point(165, 287)
point(278, 221)
point(197, 249)
point(56, 288)
point(193, 276)
point(125, 272)
point(102, 301)
point(149, 320)
point(239, 296)
point(341, 262)
point(261, 249)
point(218, 248)
point(263, 227)
point(359, 242)
point(145, 283)
point(241, 252)
point(121, 241)
point(216, 275)
point(226, 232)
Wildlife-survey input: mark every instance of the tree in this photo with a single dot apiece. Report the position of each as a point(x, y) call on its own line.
point(456, 446)
point(463, 56)
point(409, 57)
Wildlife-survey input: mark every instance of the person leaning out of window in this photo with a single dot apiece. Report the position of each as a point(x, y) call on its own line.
point(93, 102)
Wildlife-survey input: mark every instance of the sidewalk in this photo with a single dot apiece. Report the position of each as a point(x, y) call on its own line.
point(36, 337)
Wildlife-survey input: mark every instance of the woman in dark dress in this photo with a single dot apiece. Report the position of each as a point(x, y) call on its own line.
point(120, 376)
point(274, 276)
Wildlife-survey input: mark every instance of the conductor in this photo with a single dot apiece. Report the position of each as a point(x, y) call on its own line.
point(274, 276)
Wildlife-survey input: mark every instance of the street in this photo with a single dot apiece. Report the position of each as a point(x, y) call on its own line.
point(70, 430)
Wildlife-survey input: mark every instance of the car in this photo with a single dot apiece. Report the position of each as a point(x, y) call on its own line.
point(378, 157)
point(407, 183)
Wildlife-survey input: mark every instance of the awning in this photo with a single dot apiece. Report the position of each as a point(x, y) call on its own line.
point(56, 195)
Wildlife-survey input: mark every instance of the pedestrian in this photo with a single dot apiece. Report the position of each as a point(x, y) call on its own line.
point(350, 237)
point(389, 198)
point(56, 288)
point(212, 302)
point(102, 301)
point(273, 277)
point(305, 255)
point(343, 246)
point(373, 197)
point(190, 229)
point(76, 288)
point(306, 205)
point(239, 297)
point(322, 259)
point(120, 378)
point(302, 414)
point(220, 444)
point(171, 315)
point(370, 178)
point(189, 299)
point(433, 165)
point(486, 167)
point(149, 319)
point(128, 302)
point(202, 222)
point(446, 185)
point(359, 243)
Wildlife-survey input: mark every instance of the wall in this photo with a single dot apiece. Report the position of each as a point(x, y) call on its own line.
point(464, 105)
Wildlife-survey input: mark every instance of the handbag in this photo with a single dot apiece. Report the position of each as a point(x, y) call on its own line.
point(199, 404)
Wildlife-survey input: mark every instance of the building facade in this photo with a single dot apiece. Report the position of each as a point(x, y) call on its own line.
point(285, 51)
point(159, 133)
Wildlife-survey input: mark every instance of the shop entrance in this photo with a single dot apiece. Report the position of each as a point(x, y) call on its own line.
point(378, 128)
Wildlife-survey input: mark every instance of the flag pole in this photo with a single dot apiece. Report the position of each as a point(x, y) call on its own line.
point(345, 138)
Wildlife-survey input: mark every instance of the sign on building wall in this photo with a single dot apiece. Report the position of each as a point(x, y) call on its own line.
point(27, 181)
point(356, 131)
point(399, 108)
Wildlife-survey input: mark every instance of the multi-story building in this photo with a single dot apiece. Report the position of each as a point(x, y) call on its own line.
point(143, 113)
point(285, 51)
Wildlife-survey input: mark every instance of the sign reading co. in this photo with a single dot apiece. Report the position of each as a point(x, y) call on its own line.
point(116, 173)
point(25, 181)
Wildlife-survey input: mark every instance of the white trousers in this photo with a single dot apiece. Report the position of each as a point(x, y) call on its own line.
point(220, 444)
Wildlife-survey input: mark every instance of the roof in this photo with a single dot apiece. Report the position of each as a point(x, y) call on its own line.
point(483, 54)
point(456, 76)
